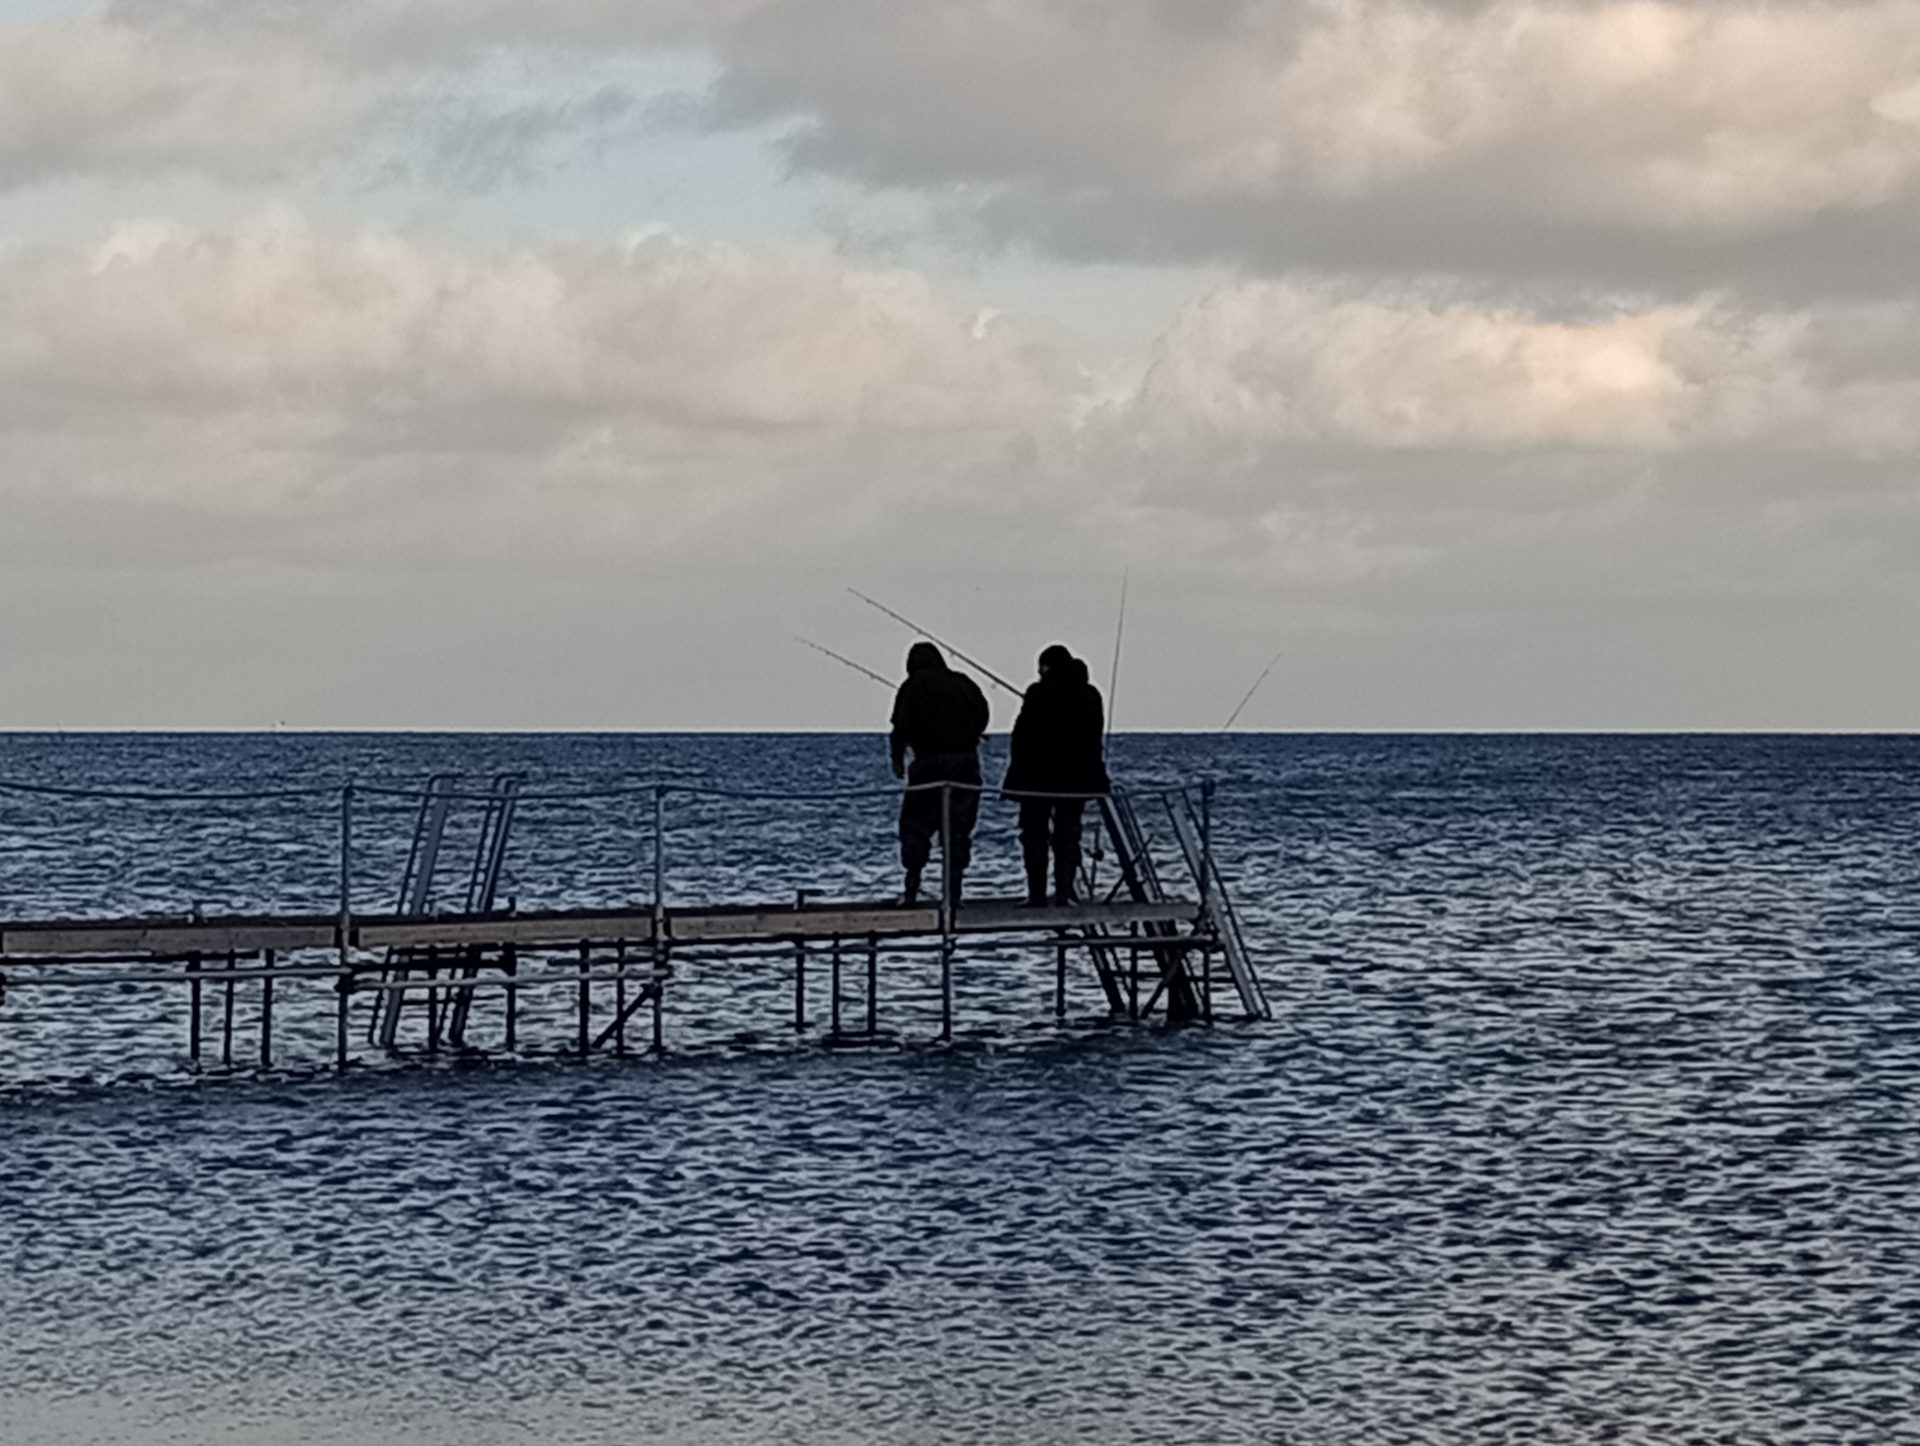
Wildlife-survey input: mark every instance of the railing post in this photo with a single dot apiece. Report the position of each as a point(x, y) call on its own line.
point(946, 858)
point(659, 858)
point(343, 986)
point(946, 911)
point(346, 852)
point(1206, 841)
point(659, 985)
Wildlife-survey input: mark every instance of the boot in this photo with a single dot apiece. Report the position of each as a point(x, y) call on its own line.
point(1036, 860)
point(1066, 867)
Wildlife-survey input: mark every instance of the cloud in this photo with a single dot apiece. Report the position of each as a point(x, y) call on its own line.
point(1680, 143)
point(668, 389)
point(106, 96)
point(202, 415)
point(377, 393)
point(1268, 363)
point(1532, 136)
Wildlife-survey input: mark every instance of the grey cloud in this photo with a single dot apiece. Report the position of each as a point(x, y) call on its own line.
point(1437, 228)
point(1667, 145)
point(354, 402)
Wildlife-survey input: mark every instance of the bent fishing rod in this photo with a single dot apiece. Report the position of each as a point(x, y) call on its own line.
point(912, 626)
point(1224, 727)
point(861, 668)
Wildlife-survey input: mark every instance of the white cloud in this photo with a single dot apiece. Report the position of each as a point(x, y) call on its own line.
point(110, 96)
point(1645, 114)
point(552, 420)
point(655, 385)
point(1648, 115)
point(681, 386)
point(1276, 364)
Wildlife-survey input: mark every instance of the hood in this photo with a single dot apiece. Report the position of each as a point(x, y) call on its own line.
point(925, 657)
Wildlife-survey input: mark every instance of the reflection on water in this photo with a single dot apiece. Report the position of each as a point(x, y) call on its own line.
point(1589, 1118)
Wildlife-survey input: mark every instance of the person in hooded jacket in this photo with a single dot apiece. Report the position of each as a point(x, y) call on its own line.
point(1058, 747)
point(938, 717)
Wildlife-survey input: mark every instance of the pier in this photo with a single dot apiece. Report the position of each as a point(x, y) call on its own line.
point(445, 966)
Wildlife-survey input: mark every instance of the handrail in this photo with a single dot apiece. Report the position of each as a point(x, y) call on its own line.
point(693, 790)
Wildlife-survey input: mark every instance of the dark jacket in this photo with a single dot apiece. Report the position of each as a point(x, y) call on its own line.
point(1058, 743)
point(938, 714)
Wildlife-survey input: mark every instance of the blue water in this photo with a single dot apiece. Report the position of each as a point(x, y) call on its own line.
point(1589, 1116)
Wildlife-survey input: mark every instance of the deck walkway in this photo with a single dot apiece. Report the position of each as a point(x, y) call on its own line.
point(1150, 947)
point(73, 940)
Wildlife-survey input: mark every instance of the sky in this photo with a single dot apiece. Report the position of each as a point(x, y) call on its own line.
point(488, 364)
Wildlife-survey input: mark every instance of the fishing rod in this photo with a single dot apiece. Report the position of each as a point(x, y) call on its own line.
point(1119, 631)
point(1250, 692)
point(842, 658)
point(911, 625)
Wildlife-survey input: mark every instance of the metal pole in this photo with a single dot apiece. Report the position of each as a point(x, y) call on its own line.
point(946, 858)
point(226, 1016)
point(1206, 841)
point(659, 857)
point(946, 911)
point(346, 853)
point(433, 998)
point(266, 1013)
point(836, 986)
point(344, 986)
point(585, 1002)
point(946, 990)
point(873, 982)
point(193, 1003)
point(510, 956)
point(620, 1002)
point(659, 951)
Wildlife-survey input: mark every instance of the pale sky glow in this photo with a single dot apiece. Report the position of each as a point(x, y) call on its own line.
point(493, 364)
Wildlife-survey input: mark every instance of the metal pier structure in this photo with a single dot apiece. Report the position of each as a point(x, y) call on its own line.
point(1157, 949)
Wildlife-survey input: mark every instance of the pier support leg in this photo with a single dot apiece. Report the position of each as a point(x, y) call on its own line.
point(433, 999)
point(343, 990)
point(513, 997)
point(620, 1003)
point(226, 1017)
point(799, 987)
point(193, 1021)
point(266, 1014)
point(586, 1002)
point(1133, 975)
point(1060, 981)
point(873, 984)
point(659, 1037)
point(836, 987)
point(946, 989)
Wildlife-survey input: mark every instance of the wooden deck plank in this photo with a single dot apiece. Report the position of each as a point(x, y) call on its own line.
point(713, 924)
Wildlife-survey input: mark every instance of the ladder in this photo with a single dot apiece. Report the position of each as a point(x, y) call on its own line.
point(1216, 905)
point(446, 1018)
point(1170, 949)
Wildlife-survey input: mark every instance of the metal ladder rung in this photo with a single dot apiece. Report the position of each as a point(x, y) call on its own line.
point(1213, 889)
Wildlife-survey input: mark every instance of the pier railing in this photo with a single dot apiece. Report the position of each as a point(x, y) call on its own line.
point(368, 830)
point(617, 919)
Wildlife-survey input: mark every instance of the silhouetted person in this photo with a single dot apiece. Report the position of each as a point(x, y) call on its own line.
point(938, 717)
point(1058, 747)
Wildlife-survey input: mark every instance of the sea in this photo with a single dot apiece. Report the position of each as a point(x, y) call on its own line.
point(1589, 1112)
